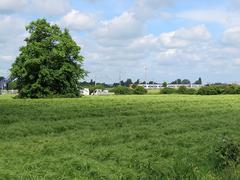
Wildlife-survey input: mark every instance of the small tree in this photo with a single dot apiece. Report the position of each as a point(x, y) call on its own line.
point(165, 84)
point(49, 63)
point(182, 90)
point(128, 82)
point(137, 82)
point(122, 90)
point(140, 90)
point(199, 81)
point(1, 78)
point(178, 81)
point(186, 81)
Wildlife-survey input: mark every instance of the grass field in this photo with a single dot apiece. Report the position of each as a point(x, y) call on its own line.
point(116, 137)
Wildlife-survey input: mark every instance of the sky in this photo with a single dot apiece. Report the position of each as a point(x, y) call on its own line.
point(119, 38)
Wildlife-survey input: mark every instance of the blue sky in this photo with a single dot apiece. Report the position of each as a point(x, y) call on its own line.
point(173, 38)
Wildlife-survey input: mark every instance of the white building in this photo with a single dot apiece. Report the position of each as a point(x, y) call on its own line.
point(85, 92)
point(160, 86)
point(99, 92)
point(151, 86)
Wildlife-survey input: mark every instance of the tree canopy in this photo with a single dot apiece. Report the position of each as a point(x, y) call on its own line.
point(49, 64)
point(1, 78)
point(199, 81)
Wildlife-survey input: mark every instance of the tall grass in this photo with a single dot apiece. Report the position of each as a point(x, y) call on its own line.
point(116, 137)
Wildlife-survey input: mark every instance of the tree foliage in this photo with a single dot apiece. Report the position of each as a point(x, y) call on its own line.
point(178, 81)
point(186, 81)
point(199, 81)
point(49, 64)
point(165, 84)
point(139, 90)
point(1, 78)
point(122, 90)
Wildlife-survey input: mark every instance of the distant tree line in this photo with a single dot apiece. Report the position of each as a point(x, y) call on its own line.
point(187, 81)
point(204, 90)
point(130, 82)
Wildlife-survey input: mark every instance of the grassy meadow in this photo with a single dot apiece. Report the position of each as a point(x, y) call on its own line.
point(116, 137)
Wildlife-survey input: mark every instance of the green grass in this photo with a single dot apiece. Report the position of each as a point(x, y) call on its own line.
point(116, 137)
point(153, 91)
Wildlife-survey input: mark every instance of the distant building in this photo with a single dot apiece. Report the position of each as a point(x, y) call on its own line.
point(3, 84)
point(160, 86)
point(151, 86)
point(99, 92)
point(85, 92)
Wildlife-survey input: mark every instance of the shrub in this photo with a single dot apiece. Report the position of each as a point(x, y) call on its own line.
point(219, 89)
point(140, 90)
point(207, 90)
point(182, 90)
point(230, 89)
point(226, 154)
point(168, 91)
point(191, 91)
point(122, 90)
point(237, 89)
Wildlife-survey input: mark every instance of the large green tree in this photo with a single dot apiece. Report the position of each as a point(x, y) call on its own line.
point(49, 64)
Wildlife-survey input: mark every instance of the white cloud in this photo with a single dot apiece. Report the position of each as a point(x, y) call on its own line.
point(179, 38)
point(75, 20)
point(12, 33)
point(9, 6)
point(232, 36)
point(7, 58)
point(237, 61)
point(170, 40)
point(43, 7)
point(197, 33)
point(221, 16)
point(119, 29)
point(145, 9)
point(235, 3)
point(10, 27)
point(49, 7)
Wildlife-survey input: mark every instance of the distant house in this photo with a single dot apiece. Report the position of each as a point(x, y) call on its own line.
point(160, 86)
point(99, 92)
point(151, 86)
point(85, 92)
point(3, 84)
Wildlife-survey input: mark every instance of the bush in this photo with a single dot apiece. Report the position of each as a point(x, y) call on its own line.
point(230, 89)
point(191, 91)
point(168, 91)
point(208, 90)
point(140, 90)
point(182, 90)
point(121, 90)
point(226, 154)
point(219, 89)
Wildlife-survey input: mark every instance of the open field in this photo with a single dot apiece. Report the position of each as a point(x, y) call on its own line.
point(116, 137)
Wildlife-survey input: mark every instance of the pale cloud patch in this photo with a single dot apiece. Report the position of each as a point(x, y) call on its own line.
point(49, 7)
point(197, 33)
point(76, 20)
point(12, 34)
point(237, 61)
point(43, 7)
point(232, 36)
point(221, 16)
point(145, 9)
point(119, 29)
point(10, 6)
point(7, 58)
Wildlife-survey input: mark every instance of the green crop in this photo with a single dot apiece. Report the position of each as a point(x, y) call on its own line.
point(118, 137)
